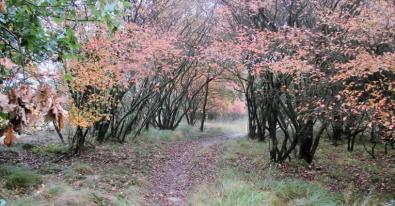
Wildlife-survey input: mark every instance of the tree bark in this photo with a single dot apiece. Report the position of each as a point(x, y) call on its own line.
point(78, 140)
point(204, 106)
point(306, 142)
point(57, 129)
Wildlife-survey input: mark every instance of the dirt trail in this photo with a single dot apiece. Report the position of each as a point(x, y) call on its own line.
point(183, 165)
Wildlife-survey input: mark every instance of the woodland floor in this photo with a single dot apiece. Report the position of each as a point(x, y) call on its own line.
point(183, 166)
point(187, 167)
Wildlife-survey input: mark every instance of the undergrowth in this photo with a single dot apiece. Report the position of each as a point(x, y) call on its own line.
point(18, 177)
point(235, 188)
point(248, 178)
point(57, 149)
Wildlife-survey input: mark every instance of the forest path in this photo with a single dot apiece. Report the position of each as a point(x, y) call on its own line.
point(183, 165)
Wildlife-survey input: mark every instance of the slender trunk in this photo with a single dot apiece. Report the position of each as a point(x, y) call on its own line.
point(204, 106)
point(188, 120)
point(272, 121)
point(337, 128)
point(57, 129)
point(147, 126)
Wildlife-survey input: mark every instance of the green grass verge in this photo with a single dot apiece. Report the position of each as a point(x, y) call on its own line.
point(248, 179)
point(234, 188)
point(18, 177)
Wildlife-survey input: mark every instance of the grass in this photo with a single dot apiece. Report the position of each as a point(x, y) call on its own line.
point(358, 172)
point(24, 202)
point(250, 179)
point(228, 126)
point(83, 168)
point(235, 188)
point(185, 131)
point(18, 177)
point(56, 190)
point(58, 149)
point(131, 196)
point(78, 171)
point(229, 190)
point(62, 194)
point(251, 151)
point(299, 192)
point(246, 176)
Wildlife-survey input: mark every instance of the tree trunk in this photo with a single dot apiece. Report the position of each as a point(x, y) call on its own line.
point(57, 129)
point(306, 142)
point(272, 121)
point(204, 106)
point(78, 141)
point(102, 128)
point(337, 128)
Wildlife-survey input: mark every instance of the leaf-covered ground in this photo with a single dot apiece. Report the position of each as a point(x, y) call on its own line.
point(186, 167)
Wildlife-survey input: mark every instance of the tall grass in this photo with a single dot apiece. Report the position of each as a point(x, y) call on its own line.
point(234, 188)
point(18, 177)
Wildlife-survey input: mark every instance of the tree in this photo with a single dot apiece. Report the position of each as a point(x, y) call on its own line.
point(34, 32)
point(281, 65)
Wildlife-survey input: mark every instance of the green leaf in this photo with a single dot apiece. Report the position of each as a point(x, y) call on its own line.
point(68, 77)
point(58, 20)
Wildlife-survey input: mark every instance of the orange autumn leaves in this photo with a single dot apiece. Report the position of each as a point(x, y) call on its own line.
point(118, 62)
point(9, 137)
point(82, 118)
point(350, 45)
point(129, 56)
point(26, 105)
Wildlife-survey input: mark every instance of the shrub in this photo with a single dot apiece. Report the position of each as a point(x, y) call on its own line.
point(28, 146)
